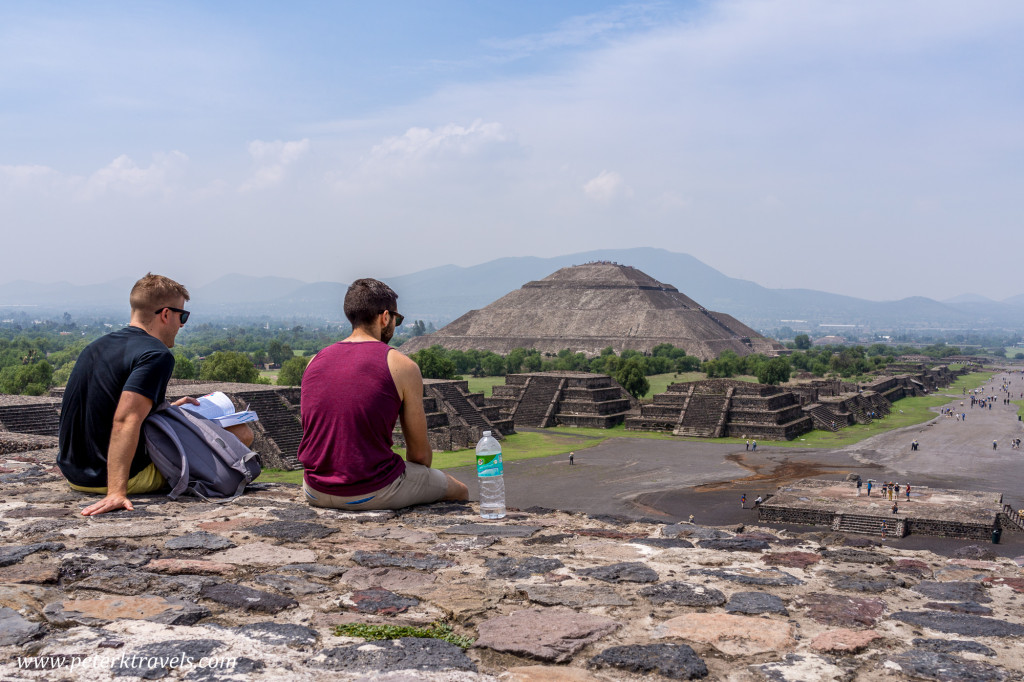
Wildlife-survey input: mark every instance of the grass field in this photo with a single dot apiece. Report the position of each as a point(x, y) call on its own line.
point(561, 440)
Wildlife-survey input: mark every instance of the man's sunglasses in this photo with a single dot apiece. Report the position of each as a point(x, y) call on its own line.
point(183, 313)
point(399, 318)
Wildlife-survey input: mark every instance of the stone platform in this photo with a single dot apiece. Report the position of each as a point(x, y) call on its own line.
point(930, 511)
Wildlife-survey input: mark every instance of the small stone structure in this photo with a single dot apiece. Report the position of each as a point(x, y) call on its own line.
point(724, 407)
point(456, 418)
point(961, 514)
point(545, 399)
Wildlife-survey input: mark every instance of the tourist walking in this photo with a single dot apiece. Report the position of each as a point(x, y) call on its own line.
point(743, 501)
point(753, 445)
point(908, 492)
point(571, 457)
point(869, 488)
point(859, 484)
point(748, 444)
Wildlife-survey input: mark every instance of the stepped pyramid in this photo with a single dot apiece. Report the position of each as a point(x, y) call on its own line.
point(586, 308)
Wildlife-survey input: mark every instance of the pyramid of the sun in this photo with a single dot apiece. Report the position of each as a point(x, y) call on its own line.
point(586, 308)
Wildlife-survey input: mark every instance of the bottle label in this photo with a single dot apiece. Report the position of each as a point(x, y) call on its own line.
point(488, 465)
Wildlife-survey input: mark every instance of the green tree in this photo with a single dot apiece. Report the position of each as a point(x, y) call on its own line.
point(291, 371)
point(631, 377)
point(773, 371)
point(493, 365)
point(279, 353)
point(434, 364)
point(33, 379)
point(184, 368)
point(229, 366)
point(802, 341)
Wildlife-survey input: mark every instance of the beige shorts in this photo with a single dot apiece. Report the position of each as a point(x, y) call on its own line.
point(418, 485)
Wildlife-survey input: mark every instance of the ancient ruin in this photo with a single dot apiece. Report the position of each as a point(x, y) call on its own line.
point(545, 399)
point(586, 308)
point(843, 507)
point(724, 407)
point(456, 418)
point(715, 408)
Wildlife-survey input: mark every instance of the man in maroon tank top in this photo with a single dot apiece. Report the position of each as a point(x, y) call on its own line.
point(353, 392)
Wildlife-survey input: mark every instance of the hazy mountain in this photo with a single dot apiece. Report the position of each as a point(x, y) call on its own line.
point(969, 298)
point(440, 294)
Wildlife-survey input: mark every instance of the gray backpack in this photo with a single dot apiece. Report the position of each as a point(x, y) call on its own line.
point(197, 456)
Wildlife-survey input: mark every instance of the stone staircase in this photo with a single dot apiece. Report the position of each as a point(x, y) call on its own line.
point(39, 419)
point(538, 393)
point(1011, 520)
point(823, 418)
point(869, 525)
point(704, 415)
point(279, 421)
point(663, 413)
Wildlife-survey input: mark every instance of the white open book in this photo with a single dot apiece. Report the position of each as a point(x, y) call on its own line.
point(217, 407)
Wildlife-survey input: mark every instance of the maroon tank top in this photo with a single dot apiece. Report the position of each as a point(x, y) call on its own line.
point(349, 408)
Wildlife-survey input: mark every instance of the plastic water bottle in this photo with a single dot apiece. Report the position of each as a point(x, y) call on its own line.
point(489, 473)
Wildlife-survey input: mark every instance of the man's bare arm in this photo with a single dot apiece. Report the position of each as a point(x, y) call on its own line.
point(413, 418)
point(132, 410)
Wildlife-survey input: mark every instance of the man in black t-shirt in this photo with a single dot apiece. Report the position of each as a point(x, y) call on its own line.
point(117, 381)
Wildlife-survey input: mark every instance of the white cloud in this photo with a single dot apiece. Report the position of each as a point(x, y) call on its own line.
point(272, 162)
point(606, 186)
point(420, 143)
point(124, 176)
point(20, 177)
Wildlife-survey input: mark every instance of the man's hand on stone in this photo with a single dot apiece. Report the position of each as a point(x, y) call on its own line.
point(112, 502)
point(187, 399)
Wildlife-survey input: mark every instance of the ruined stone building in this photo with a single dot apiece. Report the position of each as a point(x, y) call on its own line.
point(714, 408)
point(586, 308)
point(545, 399)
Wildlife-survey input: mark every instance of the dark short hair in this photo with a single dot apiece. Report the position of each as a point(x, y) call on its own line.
point(366, 299)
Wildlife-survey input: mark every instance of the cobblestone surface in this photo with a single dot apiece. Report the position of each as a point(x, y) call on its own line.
point(542, 595)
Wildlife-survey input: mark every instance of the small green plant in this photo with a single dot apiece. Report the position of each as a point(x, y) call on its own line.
point(436, 630)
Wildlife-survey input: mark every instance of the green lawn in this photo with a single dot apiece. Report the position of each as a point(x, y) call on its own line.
point(483, 384)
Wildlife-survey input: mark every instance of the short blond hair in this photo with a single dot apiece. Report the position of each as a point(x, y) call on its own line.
point(153, 291)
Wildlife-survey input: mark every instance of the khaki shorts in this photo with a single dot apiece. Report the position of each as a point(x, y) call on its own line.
point(418, 485)
point(146, 481)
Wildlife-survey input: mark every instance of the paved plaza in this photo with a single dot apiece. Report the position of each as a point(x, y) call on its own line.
point(674, 479)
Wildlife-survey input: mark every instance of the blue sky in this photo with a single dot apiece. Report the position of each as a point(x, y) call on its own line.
point(869, 148)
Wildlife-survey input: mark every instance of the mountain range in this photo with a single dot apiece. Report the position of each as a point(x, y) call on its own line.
point(441, 294)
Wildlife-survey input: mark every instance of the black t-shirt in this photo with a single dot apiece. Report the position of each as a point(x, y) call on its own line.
point(126, 360)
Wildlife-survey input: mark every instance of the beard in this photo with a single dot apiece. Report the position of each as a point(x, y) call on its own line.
point(387, 333)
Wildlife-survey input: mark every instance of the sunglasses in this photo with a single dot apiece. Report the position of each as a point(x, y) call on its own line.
point(183, 313)
point(399, 318)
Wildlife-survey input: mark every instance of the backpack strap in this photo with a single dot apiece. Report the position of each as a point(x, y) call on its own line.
point(160, 421)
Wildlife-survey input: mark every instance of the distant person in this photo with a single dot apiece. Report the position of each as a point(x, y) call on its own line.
point(994, 445)
point(572, 456)
point(908, 492)
point(869, 488)
point(743, 501)
point(895, 507)
point(118, 380)
point(859, 484)
point(757, 501)
point(353, 392)
point(753, 445)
